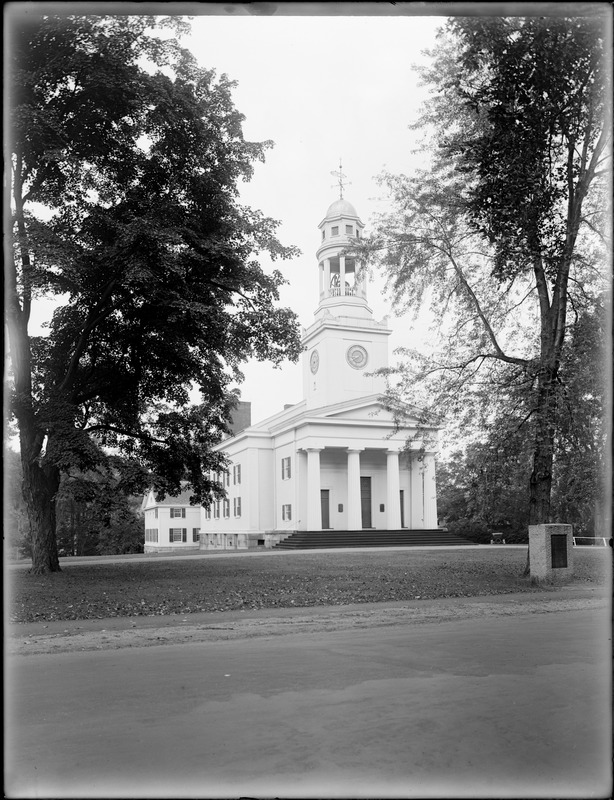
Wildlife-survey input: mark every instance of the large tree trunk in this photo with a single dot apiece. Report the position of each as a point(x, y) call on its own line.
point(40, 487)
point(540, 483)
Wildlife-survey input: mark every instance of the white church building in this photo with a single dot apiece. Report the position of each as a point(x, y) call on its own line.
point(338, 460)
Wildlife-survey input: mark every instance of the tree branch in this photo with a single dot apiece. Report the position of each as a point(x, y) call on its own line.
point(94, 318)
point(131, 434)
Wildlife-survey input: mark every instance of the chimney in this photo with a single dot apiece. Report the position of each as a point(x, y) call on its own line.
point(241, 417)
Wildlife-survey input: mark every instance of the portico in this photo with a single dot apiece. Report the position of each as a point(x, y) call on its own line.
point(356, 488)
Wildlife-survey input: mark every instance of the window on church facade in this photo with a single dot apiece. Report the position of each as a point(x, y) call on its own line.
point(236, 474)
point(334, 231)
point(151, 534)
point(286, 511)
point(177, 513)
point(286, 468)
point(349, 229)
point(208, 513)
point(237, 506)
point(196, 534)
point(216, 510)
point(226, 508)
point(178, 535)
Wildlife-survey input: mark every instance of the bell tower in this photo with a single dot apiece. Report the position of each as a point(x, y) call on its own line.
point(345, 343)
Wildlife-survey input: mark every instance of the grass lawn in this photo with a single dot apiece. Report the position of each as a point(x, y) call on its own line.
point(219, 583)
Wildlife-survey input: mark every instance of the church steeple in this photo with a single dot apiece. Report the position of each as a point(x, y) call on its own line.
point(345, 345)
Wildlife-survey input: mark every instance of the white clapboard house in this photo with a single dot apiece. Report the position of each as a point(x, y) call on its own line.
point(171, 524)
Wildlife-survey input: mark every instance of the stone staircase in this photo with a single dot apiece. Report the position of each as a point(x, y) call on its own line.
point(308, 540)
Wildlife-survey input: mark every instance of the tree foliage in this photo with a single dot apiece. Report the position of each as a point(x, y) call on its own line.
point(15, 514)
point(125, 160)
point(482, 489)
point(580, 489)
point(503, 234)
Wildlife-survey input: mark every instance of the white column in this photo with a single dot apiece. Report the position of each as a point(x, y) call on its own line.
point(342, 274)
point(393, 489)
point(417, 504)
point(327, 277)
point(354, 515)
point(314, 500)
point(430, 492)
point(301, 485)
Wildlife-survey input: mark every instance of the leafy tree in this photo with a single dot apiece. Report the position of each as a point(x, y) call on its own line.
point(502, 233)
point(483, 487)
point(125, 159)
point(95, 516)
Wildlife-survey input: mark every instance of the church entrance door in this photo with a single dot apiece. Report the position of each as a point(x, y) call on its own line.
point(365, 502)
point(325, 500)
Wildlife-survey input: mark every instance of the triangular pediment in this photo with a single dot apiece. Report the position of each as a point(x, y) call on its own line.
point(372, 408)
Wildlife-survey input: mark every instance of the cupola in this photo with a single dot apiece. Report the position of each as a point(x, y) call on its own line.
point(340, 279)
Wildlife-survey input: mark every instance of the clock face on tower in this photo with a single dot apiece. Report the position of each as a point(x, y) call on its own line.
point(357, 356)
point(314, 361)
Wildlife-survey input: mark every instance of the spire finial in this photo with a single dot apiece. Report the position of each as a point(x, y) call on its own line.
point(339, 174)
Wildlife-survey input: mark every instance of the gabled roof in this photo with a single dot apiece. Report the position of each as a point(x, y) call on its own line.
point(182, 499)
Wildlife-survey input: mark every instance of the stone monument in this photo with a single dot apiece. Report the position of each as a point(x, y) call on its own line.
point(551, 551)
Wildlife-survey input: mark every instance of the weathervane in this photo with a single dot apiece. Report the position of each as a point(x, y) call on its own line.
point(340, 175)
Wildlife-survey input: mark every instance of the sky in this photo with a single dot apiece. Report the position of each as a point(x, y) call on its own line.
point(325, 89)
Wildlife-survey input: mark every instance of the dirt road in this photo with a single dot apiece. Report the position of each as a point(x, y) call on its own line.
point(505, 696)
